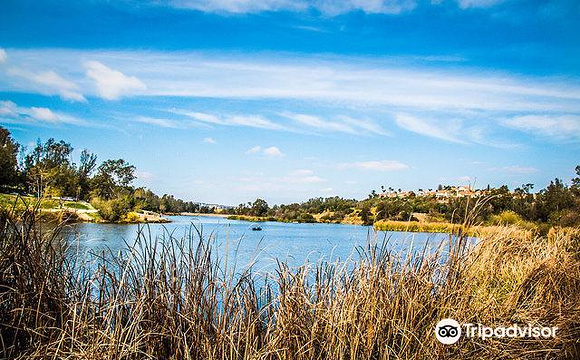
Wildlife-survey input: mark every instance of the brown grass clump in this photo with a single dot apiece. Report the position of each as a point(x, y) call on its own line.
point(173, 298)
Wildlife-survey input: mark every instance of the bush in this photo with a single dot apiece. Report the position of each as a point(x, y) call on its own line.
point(113, 210)
point(506, 217)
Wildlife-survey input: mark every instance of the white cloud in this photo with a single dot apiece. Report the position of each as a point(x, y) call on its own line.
point(43, 114)
point(254, 150)
point(112, 84)
point(343, 124)
point(333, 7)
point(209, 140)
point(365, 125)
point(253, 121)
point(8, 109)
point(429, 128)
point(327, 7)
point(377, 165)
point(318, 123)
point(349, 81)
point(50, 82)
point(562, 127)
point(3, 56)
point(12, 113)
point(273, 151)
point(465, 4)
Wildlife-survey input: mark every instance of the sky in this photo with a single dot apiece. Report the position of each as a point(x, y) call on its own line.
point(226, 101)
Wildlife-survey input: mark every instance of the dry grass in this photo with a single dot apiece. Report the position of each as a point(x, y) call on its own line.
point(176, 299)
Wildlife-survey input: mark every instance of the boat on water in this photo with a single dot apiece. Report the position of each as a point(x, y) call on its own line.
point(257, 228)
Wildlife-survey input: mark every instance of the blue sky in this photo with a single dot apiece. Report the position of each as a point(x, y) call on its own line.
point(225, 101)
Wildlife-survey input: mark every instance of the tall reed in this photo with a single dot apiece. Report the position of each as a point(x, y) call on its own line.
point(178, 298)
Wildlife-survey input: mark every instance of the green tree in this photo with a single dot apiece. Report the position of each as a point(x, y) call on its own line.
point(112, 177)
point(48, 169)
point(260, 208)
point(8, 159)
point(87, 164)
point(576, 182)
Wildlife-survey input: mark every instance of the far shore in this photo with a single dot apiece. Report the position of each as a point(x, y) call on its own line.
point(204, 214)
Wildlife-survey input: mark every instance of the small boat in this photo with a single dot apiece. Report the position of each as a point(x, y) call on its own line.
point(256, 228)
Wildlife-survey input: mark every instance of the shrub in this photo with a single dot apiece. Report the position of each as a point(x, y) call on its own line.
point(506, 217)
point(113, 210)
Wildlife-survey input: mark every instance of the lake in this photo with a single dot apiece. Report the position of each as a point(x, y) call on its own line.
point(293, 243)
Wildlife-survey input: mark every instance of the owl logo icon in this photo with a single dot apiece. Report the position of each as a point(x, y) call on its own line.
point(448, 331)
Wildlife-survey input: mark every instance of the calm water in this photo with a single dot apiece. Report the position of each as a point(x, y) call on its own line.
point(293, 243)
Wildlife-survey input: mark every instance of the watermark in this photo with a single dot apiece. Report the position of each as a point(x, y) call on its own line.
point(448, 331)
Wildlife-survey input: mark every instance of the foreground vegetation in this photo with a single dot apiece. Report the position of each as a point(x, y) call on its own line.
point(174, 298)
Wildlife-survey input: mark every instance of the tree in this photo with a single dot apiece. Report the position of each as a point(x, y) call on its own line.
point(48, 169)
point(260, 207)
point(8, 159)
point(113, 176)
point(365, 215)
point(576, 181)
point(87, 164)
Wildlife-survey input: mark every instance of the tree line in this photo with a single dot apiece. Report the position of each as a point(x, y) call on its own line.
point(49, 170)
point(557, 204)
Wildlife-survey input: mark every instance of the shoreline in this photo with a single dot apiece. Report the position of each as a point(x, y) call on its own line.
point(203, 214)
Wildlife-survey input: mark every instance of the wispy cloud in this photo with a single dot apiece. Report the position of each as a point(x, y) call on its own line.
point(466, 4)
point(164, 123)
point(349, 81)
point(209, 140)
point(562, 127)
point(429, 128)
point(376, 165)
point(254, 121)
point(49, 82)
point(331, 7)
point(327, 7)
point(12, 113)
point(318, 123)
point(3, 56)
point(386, 88)
point(343, 124)
point(254, 150)
point(112, 84)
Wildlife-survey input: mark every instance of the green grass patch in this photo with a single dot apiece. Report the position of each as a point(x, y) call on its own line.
point(415, 226)
point(76, 205)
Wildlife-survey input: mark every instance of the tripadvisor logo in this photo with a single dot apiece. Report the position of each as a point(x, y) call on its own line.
point(448, 331)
